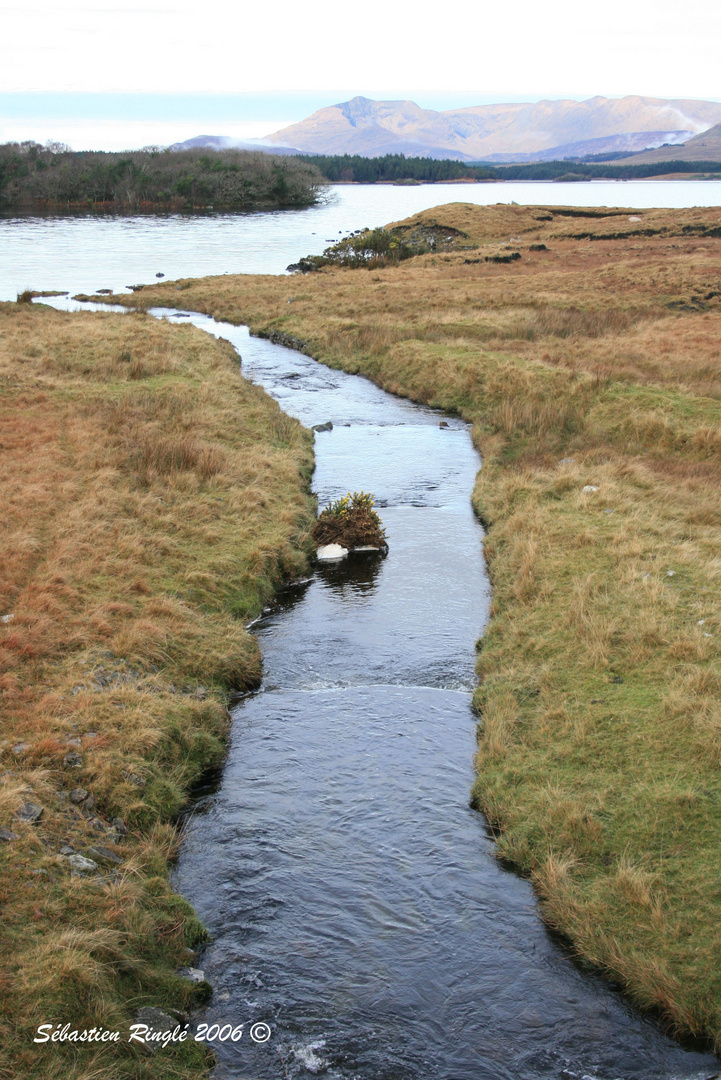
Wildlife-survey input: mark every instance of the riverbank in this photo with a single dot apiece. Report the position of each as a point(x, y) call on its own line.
point(589, 367)
point(153, 500)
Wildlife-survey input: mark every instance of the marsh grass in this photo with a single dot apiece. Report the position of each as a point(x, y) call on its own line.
point(152, 500)
point(587, 364)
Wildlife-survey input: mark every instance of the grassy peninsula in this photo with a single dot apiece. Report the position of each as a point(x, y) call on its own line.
point(56, 178)
point(583, 344)
point(152, 500)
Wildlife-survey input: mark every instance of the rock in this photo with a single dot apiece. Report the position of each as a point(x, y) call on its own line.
point(119, 826)
point(30, 812)
point(78, 795)
point(670, 573)
point(160, 275)
point(331, 553)
point(135, 288)
point(366, 547)
point(73, 760)
point(328, 426)
point(200, 693)
point(7, 835)
point(81, 864)
point(589, 489)
point(7, 618)
point(103, 854)
point(133, 778)
point(67, 849)
point(567, 461)
point(155, 1020)
point(443, 424)
point(104, 292)
point(20, 748)
point(195, 975)
point(74, 741)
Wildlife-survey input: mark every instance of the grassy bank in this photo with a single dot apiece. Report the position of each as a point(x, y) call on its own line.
point(152, 500)
point(589, 362)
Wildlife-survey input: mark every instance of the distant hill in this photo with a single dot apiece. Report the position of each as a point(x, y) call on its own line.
point(225, 142)
point(511, 132)
point(703, 147)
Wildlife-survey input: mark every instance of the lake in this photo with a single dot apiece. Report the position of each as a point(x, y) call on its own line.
point(83, 253)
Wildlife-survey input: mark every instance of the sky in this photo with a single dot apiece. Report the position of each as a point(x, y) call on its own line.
point(122, 73)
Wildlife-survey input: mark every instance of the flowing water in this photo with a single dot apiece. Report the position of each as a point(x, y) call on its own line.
point(353, 899)
point(352, 896)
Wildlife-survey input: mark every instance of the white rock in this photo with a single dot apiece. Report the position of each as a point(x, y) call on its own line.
point(7, 618)
point(79, 862)
point(194, 975)
point(588, 489)
point(366, 547)
point(331, 552)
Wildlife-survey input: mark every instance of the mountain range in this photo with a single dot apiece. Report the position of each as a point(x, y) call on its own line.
point(538, 131)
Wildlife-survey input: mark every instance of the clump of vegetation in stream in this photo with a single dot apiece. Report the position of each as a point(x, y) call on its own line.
point(351, 522)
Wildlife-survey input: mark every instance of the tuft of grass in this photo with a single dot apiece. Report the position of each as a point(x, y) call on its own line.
point(587, 365)
point(152, 500)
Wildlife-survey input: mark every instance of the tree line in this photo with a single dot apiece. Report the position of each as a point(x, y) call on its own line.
point(55, 176)
point(396, 167)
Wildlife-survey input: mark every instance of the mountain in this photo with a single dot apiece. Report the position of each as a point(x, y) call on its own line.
point(225, 142)
point(703, 147)
point(496, 132)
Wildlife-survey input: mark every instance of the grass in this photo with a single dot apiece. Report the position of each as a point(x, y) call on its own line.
point(152, 501)
point(592, 364)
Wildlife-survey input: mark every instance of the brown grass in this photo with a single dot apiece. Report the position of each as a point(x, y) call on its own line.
point(595, 362)
point(152, 499)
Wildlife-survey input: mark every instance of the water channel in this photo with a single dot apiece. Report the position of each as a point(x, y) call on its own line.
point(352, 896)
point(353, 899)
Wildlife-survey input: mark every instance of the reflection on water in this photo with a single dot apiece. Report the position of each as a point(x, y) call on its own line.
point(354, 578)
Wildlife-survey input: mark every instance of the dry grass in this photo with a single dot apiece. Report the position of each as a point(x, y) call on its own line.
point(595, 362)
point(152, 499)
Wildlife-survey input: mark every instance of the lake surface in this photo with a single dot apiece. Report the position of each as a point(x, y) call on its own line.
point(86, 253)
point(353, 899)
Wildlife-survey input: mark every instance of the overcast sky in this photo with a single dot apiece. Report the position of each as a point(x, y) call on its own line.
point(462, 51)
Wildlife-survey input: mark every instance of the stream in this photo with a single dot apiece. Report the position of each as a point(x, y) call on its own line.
point(352, 897)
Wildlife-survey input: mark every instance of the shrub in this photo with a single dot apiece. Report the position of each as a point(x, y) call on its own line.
point(351, 522)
